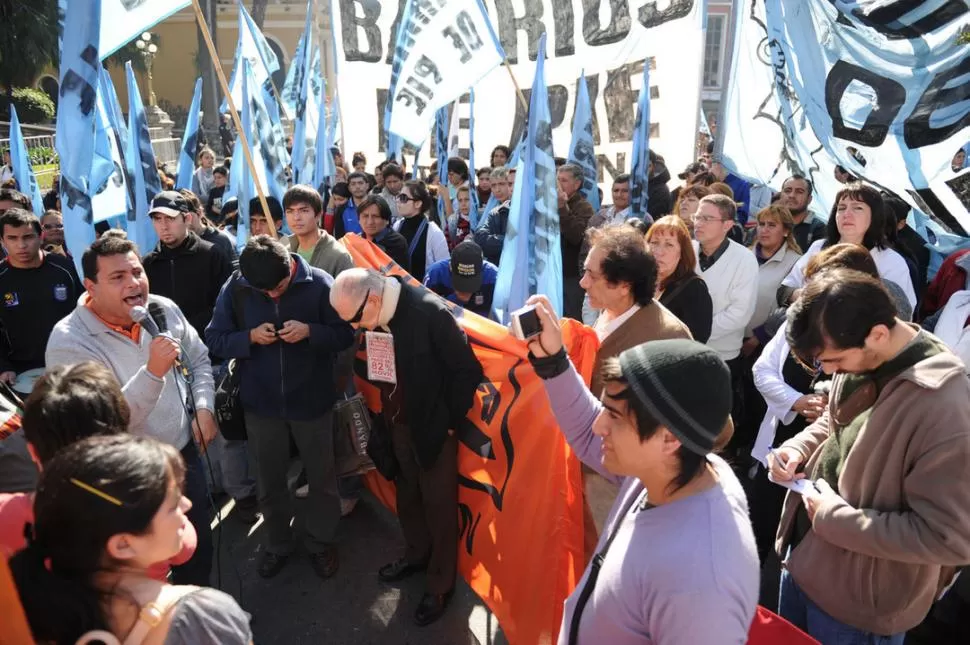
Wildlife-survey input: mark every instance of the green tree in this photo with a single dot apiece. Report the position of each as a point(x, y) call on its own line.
point(28, 41)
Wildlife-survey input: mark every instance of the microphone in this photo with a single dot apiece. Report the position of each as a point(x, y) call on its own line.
point(153, 321)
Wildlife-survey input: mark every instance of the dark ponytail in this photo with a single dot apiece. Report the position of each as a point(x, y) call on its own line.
point(72, 525)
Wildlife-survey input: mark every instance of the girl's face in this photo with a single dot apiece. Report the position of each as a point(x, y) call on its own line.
point(464, 203)
point(852, 218)
point(688, 207)
point(407, 206)
point(207, 160)
point(666, 251)
point(163, 539)
point(499, 158)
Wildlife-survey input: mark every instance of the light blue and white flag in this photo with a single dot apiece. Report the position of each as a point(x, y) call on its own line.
point(242, 178)
point(843, 83)
point(251, 47)
point(531, 260)
point(23, 170)
point(324, 168)
point(334, 133)
point(640, 165)
point(292, 86)
point(190, 141)
point(142, 171)
point(265, 138)
point(112, 199)
point(441, 128)
point(581, 150)
point(113, 106)
point(703, 126)
point(439, 55)
point(124, 20)
point(395, 143)
point(307, 110)
point(82, 171)
point(472, 177)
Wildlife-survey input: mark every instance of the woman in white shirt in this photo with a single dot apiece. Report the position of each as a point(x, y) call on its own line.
point(426, 241)
point(858, 217)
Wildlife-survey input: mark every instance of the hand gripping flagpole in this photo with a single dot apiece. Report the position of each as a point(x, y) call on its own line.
point(247, 151)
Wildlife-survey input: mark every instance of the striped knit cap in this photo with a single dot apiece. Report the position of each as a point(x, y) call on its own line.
point(684, 385)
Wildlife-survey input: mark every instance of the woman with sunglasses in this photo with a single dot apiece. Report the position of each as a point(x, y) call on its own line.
point(374, 215)
point(426, 241)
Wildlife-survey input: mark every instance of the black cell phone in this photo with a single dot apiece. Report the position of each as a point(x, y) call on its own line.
point(525, 323)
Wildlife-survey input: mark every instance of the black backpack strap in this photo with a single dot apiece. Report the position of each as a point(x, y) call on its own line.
point(594, 571)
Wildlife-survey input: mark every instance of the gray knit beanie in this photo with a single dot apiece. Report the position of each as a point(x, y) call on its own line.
point(684, 385)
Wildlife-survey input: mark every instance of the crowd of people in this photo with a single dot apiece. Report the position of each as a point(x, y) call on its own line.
point(780, 399)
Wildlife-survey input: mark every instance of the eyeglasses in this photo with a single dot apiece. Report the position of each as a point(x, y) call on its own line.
point(360, 312)
point(53, 227)
point(404, 199)
point(706, 219)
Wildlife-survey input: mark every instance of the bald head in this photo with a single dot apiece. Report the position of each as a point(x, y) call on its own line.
point(356, 296)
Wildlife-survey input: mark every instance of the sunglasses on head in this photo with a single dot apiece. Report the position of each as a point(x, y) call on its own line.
point(360, 311)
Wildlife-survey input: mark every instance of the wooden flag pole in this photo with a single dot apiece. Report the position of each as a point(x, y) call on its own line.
point(247, 151)
point(525, 104)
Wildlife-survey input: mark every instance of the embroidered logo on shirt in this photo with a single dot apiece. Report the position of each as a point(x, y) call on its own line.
point(60, 292)
point(10, 299)
point(479, 299)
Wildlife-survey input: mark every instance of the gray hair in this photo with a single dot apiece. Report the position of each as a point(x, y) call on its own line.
point(574, 170)
point(354, 284)
point(499, 173)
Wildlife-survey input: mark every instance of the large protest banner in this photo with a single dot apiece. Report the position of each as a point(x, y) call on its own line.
point(520, 488)
point(609, 39)
point(881, 90)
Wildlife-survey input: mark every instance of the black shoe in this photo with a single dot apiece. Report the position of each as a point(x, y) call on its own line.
point(247, 510)
point(325, 563)
point(271, 564)
point(432, 607)
point(399, 570)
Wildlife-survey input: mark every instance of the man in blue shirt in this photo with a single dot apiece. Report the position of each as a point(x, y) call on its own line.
point(741, 188)
point(466, 279)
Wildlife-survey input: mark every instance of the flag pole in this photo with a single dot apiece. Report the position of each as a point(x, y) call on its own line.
point(247, 151)
point(525, 104)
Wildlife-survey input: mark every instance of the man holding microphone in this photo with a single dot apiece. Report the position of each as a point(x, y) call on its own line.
point(171, 405)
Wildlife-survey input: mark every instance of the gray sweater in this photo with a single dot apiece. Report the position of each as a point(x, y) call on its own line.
point(680, 573)
point(156, 404)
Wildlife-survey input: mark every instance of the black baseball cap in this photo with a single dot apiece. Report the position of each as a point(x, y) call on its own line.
point(170, 203)
point(466, 267)
point(692, 168)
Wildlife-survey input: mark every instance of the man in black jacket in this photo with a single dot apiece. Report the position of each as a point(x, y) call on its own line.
point(182, 266)
point(491, 234)
point(427, 374)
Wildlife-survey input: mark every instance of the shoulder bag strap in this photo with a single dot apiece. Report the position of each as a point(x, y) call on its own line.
point(422, 227)
point(683, 285)
point(594, 571)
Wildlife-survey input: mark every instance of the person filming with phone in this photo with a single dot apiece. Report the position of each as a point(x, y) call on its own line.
point(869, 545)
point(677, 564)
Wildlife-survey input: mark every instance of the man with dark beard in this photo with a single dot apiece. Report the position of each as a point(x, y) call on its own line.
point(796, 195)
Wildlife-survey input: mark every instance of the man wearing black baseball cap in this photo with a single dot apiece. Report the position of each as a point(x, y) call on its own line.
point(183, 266)
point(466, 279)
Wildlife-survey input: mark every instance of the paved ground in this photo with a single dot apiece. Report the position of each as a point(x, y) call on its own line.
point(353, 607)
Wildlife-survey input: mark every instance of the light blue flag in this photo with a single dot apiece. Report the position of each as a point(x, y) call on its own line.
point(703, 126)
point(441, 126)
point(581, 150)
point(242, 178)
point(123, 20)
point(640, 167)
point(266, 139)
point(140, 159)
point(472, 177)
point(111, 200)
point(113, 106)
point(324, 169)
point(251, 47)
point(79, 75)
point(190, 141)
point(334, 133)
point(395, 143)
point(23, 170)
point(295, 74)
point(307, 111)
point(531, 260)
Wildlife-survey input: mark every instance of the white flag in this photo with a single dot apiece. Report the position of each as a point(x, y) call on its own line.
point(443, 49)
point(124, 20)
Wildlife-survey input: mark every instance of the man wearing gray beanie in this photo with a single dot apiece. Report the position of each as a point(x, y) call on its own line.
point(677, 559)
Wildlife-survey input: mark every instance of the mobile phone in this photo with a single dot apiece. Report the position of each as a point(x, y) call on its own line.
point(525, 323)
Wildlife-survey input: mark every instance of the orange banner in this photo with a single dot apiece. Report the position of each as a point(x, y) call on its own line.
point(520, 495)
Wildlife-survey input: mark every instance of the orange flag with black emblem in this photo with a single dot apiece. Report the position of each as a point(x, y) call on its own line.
point(520, 494)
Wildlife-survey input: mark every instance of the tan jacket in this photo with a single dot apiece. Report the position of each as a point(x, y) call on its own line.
point(875, 560)
point(653, 322)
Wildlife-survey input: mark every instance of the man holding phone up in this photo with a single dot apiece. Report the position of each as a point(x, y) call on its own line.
point(867, 548)
point(275, 318)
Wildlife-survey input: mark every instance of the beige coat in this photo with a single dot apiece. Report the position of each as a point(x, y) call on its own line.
point(875, 561)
